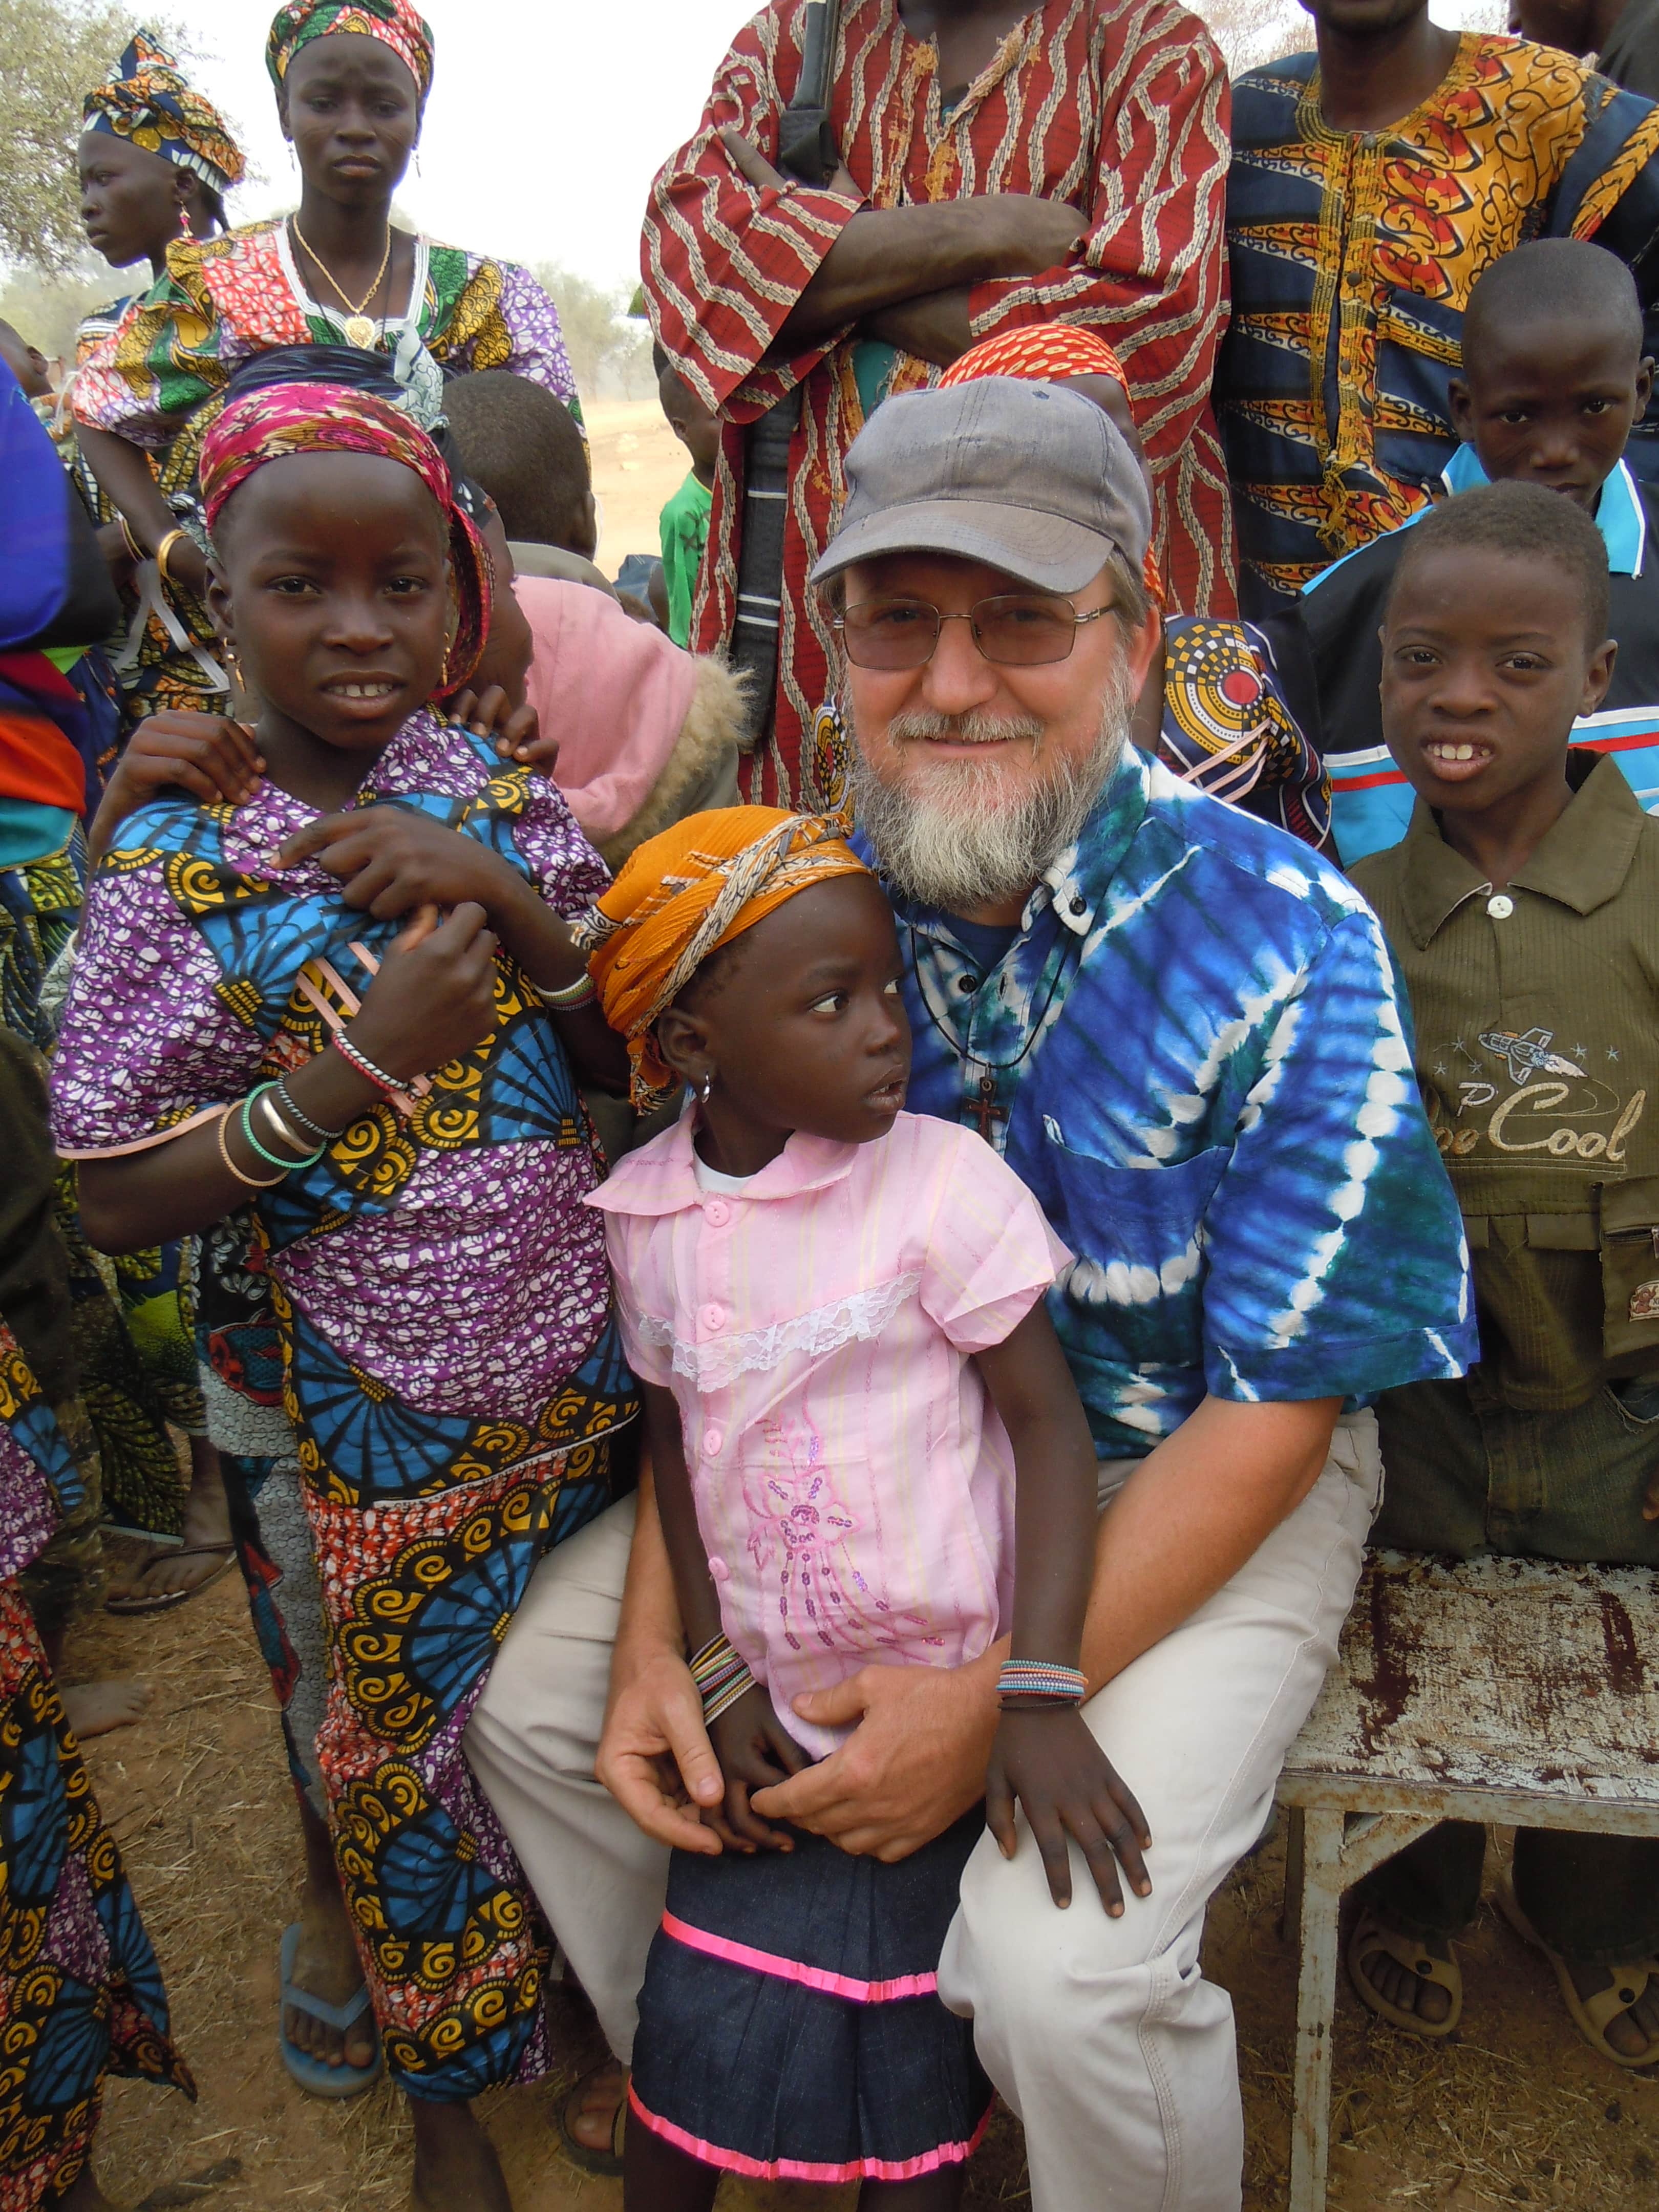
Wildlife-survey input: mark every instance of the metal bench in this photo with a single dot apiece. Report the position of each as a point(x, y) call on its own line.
point(1517, 1691)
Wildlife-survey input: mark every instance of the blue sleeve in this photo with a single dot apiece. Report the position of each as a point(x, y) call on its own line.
point(1335, 1260)
point(54, 588)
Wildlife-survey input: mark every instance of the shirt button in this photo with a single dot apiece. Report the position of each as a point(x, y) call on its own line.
point(713, 1439)
point(1079, 906)
point(718, 1570)
point(966, 983)
point(717, 1214)
point(713, 1316)
point(1501, 908)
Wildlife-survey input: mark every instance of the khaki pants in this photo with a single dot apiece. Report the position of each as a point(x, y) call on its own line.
point(1102, 2034)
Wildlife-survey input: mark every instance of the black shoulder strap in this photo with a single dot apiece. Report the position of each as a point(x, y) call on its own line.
point(806, 143)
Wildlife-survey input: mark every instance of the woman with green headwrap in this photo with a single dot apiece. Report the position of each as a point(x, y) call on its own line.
point(351, 78)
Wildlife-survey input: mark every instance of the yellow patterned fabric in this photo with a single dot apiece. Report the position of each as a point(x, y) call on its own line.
point(1352, 258)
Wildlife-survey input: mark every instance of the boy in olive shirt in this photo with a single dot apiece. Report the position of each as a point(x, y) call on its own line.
point(1520, 907)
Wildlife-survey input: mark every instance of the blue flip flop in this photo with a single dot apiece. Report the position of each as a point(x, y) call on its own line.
point(315, 2075)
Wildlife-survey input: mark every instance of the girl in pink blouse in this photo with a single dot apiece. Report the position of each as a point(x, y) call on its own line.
point(853, 1394)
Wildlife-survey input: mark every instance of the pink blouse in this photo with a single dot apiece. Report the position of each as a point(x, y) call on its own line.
point(854, 1484)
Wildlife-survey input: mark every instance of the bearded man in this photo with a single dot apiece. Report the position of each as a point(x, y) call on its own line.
point(1181, 1028)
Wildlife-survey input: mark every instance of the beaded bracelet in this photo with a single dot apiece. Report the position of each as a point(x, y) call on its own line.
point(253, 1182)
point(721, 1675)
point(1038, 1682)
point(273, 1159)
point(581, 992)
point(326, 1136)
point(365, 1065)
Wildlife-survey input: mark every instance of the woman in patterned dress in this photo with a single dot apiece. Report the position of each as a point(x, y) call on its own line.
point(81, 1993)
point(265, 1006)
point(351, 78)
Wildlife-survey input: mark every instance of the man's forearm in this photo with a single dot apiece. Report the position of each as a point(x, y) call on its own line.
point(935, 327)
point(1190, 1516)
point(649, 1623)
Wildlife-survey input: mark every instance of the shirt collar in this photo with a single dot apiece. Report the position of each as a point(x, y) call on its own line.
point(1619, 515)
point(1582, 862)
point(661, 1177)
point(1075, 881)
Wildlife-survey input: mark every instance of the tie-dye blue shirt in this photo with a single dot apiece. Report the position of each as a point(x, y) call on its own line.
point(1195, 1054)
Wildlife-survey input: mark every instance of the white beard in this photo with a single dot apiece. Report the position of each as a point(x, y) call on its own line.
point(956, 835)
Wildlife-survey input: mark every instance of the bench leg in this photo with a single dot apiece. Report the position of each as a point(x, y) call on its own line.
point(1320, 1905)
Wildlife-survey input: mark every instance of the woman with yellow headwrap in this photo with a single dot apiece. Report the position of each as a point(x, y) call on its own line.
point(351, 79)
point(835, 1312)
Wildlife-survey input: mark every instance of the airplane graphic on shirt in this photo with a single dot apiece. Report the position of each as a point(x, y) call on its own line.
point(1528, 1054)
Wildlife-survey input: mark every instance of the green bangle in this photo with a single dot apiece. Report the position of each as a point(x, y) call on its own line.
point(273, 1159)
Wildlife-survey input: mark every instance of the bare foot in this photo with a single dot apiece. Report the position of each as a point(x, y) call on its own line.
point(95, 1707)
point(590, 2116)
point(207, 1543)
point(1634, 2033)
point(1405, 1990)
point(455, 2161)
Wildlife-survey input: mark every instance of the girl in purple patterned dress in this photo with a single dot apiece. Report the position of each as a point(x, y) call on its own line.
point(267, 1005)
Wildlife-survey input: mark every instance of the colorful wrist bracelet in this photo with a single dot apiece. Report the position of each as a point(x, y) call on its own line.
point(721, 1675)
point(252, 1182)
point(295, 1113)
point(581, 992)
point(1037, 1682)
point(365, 1065)
point(301, 1159)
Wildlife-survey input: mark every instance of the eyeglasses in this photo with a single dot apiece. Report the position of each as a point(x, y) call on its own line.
point(1017, 629)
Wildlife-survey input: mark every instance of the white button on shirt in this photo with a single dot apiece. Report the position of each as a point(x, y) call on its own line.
point(1500, 907)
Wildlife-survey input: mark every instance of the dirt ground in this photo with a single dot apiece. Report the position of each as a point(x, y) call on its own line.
point(638, 464)
point(1516, 2112)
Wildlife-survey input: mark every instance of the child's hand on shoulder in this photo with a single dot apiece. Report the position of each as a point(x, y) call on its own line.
point(754, 1750)
point(215, 759)
point(1050, 1762)
point(517, 731)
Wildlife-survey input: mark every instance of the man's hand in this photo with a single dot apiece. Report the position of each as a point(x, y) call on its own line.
point(914, 1763)
point(217, 760)
point(655, 1758)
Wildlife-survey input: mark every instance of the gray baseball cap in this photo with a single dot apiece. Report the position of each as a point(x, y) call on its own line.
point(1035, 480)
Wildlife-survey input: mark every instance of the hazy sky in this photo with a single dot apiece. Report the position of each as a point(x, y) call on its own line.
point(546, 124)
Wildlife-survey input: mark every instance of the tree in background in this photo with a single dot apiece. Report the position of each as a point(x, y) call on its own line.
point(1252, 31)
point(609, 355)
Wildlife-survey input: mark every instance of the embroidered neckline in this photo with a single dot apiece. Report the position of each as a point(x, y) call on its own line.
point(715, 1365)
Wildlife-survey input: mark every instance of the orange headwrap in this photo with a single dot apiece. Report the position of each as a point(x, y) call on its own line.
point(1049, 353)
point(681, 897)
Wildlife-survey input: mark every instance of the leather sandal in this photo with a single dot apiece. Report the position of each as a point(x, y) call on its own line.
point(1593, 2015)
point(607, 2162)
point(1370, 1935)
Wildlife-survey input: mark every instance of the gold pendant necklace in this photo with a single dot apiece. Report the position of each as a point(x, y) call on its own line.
point(360, 331)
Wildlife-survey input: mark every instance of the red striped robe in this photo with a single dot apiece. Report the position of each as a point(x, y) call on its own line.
point(1119, 105)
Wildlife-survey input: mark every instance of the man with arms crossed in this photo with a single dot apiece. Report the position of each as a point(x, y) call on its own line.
point(1000, 166)
point(1181, 1028)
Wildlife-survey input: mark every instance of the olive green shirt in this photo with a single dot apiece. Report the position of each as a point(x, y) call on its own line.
point(1536, 1013)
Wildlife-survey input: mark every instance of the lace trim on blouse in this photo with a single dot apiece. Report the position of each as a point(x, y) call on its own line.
point(717, 1364)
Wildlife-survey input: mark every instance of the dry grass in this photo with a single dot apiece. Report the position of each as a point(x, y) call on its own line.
point(1516, 2112)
